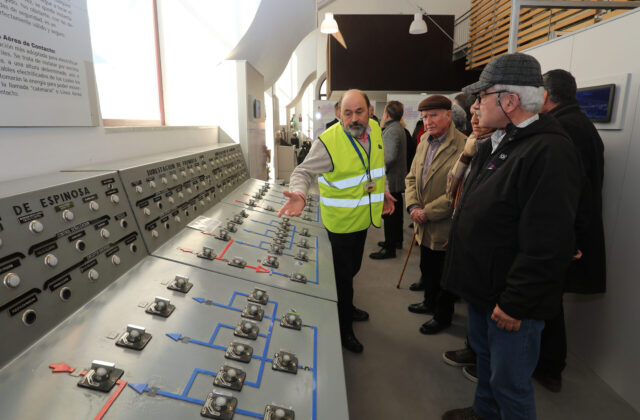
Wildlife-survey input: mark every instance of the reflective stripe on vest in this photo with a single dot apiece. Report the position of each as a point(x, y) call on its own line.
point(346, 202)
point(353, 181)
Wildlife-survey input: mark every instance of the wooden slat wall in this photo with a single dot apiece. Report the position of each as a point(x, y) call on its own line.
point(489, 28)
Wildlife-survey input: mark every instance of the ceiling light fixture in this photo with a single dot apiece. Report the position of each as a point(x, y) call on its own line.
point(329, 24)
point(418, 26)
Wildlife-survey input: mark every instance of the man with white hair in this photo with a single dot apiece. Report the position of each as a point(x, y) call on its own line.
point(512, 236)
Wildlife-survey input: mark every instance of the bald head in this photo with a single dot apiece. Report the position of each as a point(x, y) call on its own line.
point(355, 112)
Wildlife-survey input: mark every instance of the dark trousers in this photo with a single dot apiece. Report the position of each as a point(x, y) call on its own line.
point(393, 223)
point(431, 265)
point(347, 249)
point(553, 347)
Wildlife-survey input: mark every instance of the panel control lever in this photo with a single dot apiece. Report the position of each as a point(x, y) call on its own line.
point(207, 253)
point(230, 377)
point(285, 361)
point(101, 377)
point(299, 277)
point(239, 351)
point(246, 329)
point(258, 296)
point(219, 406)
point(271, 261)
point(291, 320)
point(277, 412)
point(253, 311)
point(180, 284)
point(135, 338)
point(161, 307)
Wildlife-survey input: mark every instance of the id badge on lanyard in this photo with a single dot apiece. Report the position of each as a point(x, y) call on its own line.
point(370, 186)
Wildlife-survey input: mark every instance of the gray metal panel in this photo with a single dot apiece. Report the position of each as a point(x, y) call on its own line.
point(251, 195)
point(177, 371)
point(169, 190)
point(252, 242)
point(46, 260)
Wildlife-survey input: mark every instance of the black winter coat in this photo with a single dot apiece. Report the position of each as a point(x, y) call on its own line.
point(588, 274)
point(512, 236)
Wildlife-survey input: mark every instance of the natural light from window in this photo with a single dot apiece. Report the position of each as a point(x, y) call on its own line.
point(124, 57)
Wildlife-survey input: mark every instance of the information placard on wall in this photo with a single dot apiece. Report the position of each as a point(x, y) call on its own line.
point(45, 49)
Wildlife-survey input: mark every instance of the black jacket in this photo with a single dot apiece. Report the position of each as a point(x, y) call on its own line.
point(512, 236)
point(588, 274)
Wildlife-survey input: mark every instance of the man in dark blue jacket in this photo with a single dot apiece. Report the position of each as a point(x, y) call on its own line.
point(512, 236)
point(587, 272)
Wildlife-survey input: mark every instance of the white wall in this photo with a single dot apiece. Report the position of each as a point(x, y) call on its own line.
point(603, 330)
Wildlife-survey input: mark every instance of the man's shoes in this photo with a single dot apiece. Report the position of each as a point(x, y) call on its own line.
point(351, 343)
point(383, 244)
point(461, 414)
point(411, 225)
point(471, 373)
point(421, 308)
point(551, 382)
point(383, 254)
point(462, 357)
point(433, 327)
point(359, 315)
point(417, 286)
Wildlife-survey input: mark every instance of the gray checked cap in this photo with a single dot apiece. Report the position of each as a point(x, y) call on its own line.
point(508, 69)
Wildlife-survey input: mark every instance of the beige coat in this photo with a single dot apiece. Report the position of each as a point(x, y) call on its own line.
point(432, 196)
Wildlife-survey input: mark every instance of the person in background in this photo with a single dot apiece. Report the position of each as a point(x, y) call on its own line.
point(336, 110)
point(395, 161)
point(587, 272)
point(465, 101)
point(459, 117)
point(411, 145)
point(465, 357)
point(430, 207)
point(512, 236)
point(349, 157)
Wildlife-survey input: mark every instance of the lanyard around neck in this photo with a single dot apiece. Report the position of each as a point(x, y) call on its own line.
point(355, 146)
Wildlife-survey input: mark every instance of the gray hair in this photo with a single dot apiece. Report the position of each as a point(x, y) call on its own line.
point(459, 117)
point(531, 97)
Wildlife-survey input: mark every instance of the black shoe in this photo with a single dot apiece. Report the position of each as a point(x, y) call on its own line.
point(411, 225)
point(461, 414)
point(417, 286)
point(382, 244)
point(383, 254)
point(421, 308)
point(551, 382)
point(471, 373)
point(433, 327)
point(462, 357)
point(359, 315)
point(351, 343)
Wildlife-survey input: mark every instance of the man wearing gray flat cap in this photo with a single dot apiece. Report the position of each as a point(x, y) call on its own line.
point(512, 235)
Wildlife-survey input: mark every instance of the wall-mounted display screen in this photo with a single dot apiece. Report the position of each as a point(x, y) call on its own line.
point(597, 101)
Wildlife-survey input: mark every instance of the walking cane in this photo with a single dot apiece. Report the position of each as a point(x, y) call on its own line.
point(413, 239)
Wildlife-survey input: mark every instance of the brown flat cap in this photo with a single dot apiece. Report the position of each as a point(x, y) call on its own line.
point(435, 102)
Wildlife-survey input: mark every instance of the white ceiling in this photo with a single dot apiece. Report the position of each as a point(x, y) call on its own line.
point(277, 29)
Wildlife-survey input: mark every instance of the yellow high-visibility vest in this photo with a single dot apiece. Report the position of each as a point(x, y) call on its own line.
point(345, 206)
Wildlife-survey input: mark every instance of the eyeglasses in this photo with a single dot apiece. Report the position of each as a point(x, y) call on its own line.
point(479, 96)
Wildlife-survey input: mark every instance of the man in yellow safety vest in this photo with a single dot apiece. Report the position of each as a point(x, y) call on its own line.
point(349, 162)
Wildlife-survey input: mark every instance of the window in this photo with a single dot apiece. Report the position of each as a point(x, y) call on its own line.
point(123, 38)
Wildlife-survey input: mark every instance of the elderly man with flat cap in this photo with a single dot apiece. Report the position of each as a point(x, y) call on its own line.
point(512, 237)
point(430, 207)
